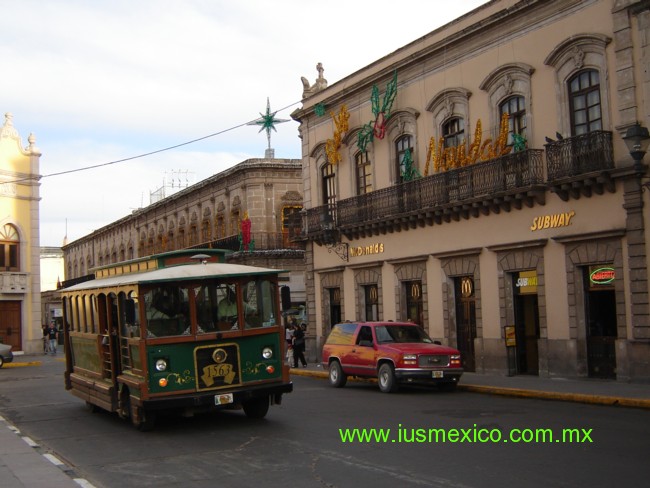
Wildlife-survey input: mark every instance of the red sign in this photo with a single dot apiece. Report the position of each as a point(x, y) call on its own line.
point(602, 276)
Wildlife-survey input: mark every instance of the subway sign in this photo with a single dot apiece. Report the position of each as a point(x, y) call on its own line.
point(552, 221)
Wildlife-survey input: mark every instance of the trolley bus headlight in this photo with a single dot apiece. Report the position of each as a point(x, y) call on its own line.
point(161, 365)
point(267, 353)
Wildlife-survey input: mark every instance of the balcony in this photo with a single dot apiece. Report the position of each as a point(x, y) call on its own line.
point(500, 184)
point(581, 165)
point(260, 241)
point(11, 282)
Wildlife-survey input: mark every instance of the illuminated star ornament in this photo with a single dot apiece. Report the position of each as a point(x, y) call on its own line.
point(267, 122)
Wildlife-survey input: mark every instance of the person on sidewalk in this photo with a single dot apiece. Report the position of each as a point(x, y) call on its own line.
point(299, 347)
point(52, 335)
point(46, 346)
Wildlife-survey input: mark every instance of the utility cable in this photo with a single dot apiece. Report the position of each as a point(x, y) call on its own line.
point(85, 168)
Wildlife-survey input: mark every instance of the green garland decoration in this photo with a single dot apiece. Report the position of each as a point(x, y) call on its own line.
point(365, 136)
point(410, 172)
point(519, 142)
point(377, 127)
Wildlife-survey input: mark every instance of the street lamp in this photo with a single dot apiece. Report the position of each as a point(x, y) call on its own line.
point(637, 139)
point(332, 236)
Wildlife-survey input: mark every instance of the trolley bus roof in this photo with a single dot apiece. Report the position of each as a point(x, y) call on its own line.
point(176, 273)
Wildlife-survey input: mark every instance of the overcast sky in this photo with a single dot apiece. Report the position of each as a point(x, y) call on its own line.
point(101, 81)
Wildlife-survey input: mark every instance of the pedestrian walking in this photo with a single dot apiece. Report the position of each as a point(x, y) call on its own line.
point(46, 341)
point(299, 347)
point(52, 336)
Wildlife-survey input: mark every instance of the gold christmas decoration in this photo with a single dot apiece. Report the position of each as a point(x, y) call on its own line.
point(341, 126)
point(443, 158)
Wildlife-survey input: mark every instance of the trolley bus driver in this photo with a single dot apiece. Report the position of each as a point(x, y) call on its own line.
point(227, 308)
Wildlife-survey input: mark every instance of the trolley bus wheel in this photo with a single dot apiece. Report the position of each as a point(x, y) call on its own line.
point(147, 423)
point(92, 408)
point(141, 419)
point(256, 408)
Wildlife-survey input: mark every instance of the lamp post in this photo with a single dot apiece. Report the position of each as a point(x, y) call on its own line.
point(637, 139)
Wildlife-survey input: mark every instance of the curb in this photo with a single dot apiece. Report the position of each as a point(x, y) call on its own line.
point(22, 365)
point(521, 393)
point(567, 397)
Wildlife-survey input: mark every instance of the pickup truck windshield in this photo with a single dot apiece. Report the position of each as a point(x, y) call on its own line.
point(401, 333)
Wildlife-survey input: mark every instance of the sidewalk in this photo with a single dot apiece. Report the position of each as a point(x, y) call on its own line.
point(23, 466)
point(593, 391)
point(23, 462)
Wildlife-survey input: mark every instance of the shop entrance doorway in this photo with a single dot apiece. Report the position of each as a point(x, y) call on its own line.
point(600, 314)
point(526, 322)
point(10, 329)
point(466, 321)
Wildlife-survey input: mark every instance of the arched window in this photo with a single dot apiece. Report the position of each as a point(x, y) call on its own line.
point(235, 220)
point(580, 63)
point(584, 102)
point(402, 144)
point(328, 174)
point(180, 239)
point(363, 173)
point(509, 90)
point(9, 247)
point(220, 227)
point(453, 131)
point(206, 231)
point(515, 107)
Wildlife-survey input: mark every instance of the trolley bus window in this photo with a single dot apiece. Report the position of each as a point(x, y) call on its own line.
point(259, 304)
point(93, 312)
point(226, 306)
point(216, 307)
point(129, 321)
point(168, 311)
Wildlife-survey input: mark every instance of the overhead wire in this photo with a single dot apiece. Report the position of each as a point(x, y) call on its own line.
point(157, 151)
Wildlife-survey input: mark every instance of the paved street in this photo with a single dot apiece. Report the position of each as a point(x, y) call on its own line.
point(299, 443)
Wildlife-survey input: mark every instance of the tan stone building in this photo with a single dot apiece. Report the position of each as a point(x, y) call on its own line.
point(477, 182)
point(20, 301)
point(267, 192)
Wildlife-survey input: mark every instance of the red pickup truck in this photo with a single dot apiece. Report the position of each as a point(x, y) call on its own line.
point(393, 352)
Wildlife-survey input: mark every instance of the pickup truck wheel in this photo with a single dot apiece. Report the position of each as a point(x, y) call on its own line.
point(386, 379)
point(338, 378)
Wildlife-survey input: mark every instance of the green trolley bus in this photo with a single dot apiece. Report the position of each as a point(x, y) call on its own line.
point(181, 331)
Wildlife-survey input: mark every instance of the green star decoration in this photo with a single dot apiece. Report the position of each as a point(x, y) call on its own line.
point(267, 122)
point(319, 109)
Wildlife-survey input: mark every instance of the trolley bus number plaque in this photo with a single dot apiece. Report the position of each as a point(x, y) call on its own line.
point(223, 399)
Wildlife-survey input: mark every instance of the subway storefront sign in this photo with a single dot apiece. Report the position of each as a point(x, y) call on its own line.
point(526, 282)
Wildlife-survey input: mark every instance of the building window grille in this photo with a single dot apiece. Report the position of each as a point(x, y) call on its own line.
point(516, 109)
point(585, 105)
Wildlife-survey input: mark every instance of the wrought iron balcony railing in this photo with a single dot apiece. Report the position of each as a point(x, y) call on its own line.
point(260, 241)
point(511, 175)
point(579, 155)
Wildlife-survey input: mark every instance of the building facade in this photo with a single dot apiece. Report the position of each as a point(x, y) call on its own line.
point(248, 209)
point(477, 182)
point(20, 302)
point(52, 273)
